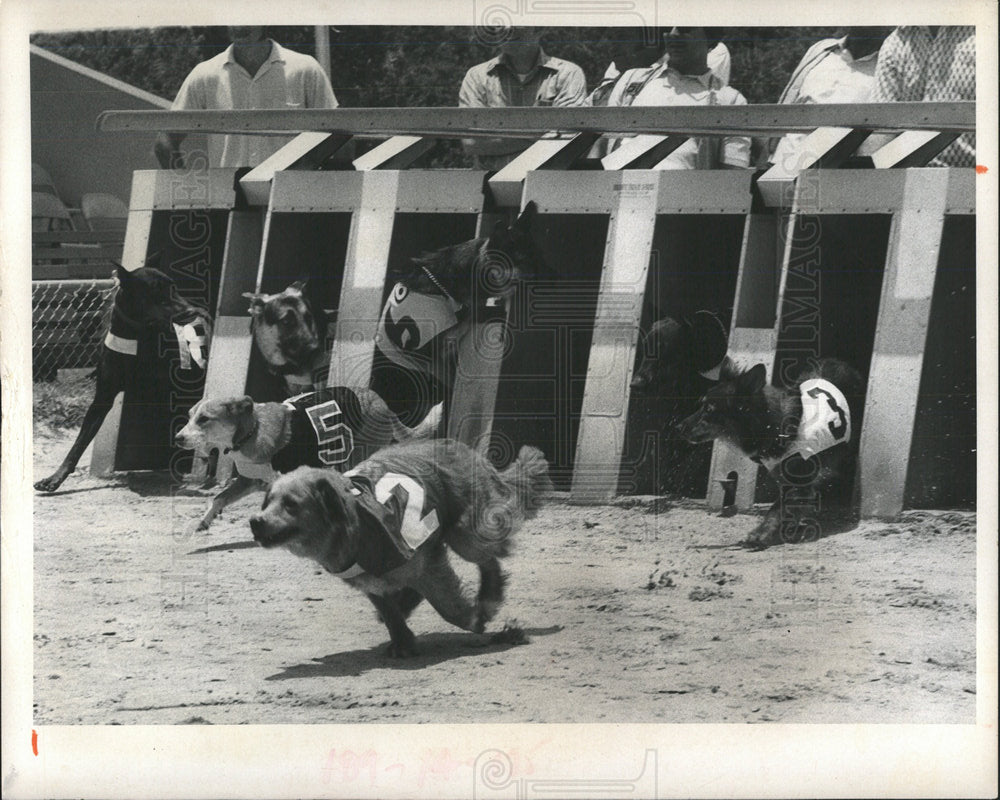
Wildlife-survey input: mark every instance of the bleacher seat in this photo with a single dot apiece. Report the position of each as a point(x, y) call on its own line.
point(48, 213)
point(104, 212)
point(41, 181)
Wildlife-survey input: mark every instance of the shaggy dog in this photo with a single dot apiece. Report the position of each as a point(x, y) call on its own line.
point(384, 527)
point(146, 307)
point(335, 427)
point(806, 437)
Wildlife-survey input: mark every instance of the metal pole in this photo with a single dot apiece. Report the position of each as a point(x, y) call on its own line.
point(323, 48)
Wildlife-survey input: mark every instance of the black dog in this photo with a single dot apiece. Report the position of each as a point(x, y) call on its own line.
point(437, 299)
point(806, 437)
point(680, 359)
point(146, 305)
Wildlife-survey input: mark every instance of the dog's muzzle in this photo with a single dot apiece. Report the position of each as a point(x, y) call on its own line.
point(267, 538)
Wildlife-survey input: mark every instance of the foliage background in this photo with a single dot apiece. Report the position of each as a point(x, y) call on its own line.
point(378, 65)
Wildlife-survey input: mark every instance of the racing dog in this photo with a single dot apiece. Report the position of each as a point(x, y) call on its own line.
point(334, 427)
point(435, 301)
point(680, 359)
point(805, 436)
point(289, 331)
point(148, 307)
point(384, 527)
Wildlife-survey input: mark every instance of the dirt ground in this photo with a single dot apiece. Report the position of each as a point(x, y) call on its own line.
point(640, 611)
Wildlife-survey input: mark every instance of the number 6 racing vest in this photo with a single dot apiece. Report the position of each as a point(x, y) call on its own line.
point(825, 422)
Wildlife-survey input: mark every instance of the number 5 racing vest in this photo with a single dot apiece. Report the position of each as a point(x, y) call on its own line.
point(325, 425)
point(825, 422)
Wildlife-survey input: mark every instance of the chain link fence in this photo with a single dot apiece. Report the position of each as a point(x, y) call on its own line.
point(68, 321)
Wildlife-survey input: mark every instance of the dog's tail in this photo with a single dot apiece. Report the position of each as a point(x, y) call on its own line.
point(529, 479)
point(427, 428)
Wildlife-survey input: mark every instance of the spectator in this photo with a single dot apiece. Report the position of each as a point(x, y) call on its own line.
point(521, 74)
point(935, 63)
point(682, 77)
point(719, 62)
point(838, 70)
point(254, 72)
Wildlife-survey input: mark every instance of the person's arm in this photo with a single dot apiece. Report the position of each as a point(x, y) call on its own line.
point(472, 94)
point(889, 86)
point(319, 92)
point(734, 151)
point(572, 90)
point(167, 149)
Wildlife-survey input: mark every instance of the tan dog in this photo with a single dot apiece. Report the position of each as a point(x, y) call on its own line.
point(335, 427)
point(290, 333)
point(383, 527)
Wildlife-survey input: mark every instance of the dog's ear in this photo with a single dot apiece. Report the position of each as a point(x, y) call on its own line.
point(299, 286)
point(524, 222)
point(753, 380)
point(240, 407)
point(329, 497)
point(256, 302)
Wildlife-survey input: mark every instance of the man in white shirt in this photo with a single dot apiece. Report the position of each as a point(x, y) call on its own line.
point(683, 77)
point(254, 72)
point(838, 70)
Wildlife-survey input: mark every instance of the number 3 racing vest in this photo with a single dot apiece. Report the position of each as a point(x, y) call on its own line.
point(825, 422)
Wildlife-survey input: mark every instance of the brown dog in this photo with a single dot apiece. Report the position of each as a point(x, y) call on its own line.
point(290, 332)
point(383, 527)
point(335, 427)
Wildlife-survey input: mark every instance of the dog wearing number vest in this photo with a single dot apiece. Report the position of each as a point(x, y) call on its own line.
point(435, 301)
point(805, 436)
point(147, 308)
point(385, 527)
point(334, 427)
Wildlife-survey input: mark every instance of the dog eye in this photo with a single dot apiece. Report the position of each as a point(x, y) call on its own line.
point(289, 505)
point(201, 420)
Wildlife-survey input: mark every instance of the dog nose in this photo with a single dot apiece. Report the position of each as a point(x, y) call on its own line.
point(257, 526)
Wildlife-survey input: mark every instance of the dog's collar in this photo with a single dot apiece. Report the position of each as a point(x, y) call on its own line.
point(441, 289)
point(713, 373)
point(127, 347)
point(238, 443)
point(351, 572)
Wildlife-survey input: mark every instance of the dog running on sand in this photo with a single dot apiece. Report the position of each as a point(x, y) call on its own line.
point(805, 436)
point(335, 427)
point(384, 527)
point(146, 307)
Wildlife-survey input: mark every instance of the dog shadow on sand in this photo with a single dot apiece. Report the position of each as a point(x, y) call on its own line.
point(435, 648)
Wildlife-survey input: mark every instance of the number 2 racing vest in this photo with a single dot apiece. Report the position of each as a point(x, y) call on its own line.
point(825, 422)
point(397, 514)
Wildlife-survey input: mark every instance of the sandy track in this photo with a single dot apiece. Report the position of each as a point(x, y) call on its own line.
point(634, 612)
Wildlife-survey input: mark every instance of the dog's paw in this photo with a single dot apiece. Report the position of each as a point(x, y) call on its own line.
point(485, 611)
point(49, 484)
point(760, 538)
point(404, 649)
